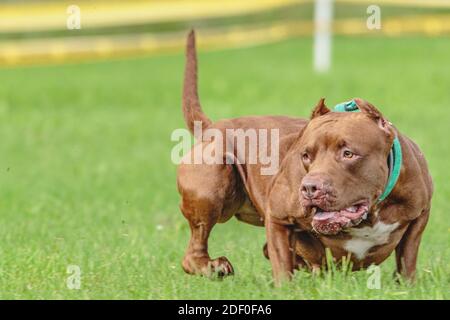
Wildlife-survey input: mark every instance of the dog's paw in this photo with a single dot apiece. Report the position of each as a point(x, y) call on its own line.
point(221, 267)
point(204, 266)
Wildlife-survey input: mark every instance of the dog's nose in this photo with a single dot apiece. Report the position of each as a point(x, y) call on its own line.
point(311, 189)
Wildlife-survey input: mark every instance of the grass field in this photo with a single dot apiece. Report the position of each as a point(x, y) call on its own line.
point(86, 177)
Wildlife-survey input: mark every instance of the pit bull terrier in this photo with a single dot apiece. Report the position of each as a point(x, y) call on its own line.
point(353, 198)
point(340, 185)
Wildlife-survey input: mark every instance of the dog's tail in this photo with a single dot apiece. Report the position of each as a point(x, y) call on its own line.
point(191, 104)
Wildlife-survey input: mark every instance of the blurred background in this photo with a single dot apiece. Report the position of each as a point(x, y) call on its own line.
point(90, 93)
point(36, 31)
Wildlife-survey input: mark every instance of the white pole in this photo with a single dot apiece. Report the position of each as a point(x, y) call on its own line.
point(323, 15)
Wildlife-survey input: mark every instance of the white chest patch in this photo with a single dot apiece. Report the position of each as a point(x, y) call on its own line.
point(365, 238)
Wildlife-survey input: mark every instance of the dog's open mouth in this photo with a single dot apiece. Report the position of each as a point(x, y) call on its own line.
point(332, 222)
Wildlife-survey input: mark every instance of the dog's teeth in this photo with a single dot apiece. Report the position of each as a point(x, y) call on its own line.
point(352, 209)
point(365, 215)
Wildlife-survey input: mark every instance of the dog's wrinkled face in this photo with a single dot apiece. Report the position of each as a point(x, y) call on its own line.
point(345, 157)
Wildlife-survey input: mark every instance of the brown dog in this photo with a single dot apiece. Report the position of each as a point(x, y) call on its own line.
point(213, 193)
point(333, 169)
point(342, 159)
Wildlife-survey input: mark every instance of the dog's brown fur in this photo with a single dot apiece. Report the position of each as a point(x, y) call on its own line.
point(408, 204)
point(213, 193)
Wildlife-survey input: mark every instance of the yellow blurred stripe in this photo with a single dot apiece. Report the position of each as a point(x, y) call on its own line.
point(53, 16)
point(402, 3)
point(99, 47)
point(94, 47)
point(45, 16)
point(429, 25)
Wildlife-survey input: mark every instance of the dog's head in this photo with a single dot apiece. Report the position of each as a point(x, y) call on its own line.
point(344, 155)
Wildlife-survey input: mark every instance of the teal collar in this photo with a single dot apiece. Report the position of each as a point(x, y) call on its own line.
point(395, 155)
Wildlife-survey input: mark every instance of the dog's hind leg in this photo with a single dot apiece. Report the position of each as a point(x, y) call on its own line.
point(210, 194)
point(299, 262)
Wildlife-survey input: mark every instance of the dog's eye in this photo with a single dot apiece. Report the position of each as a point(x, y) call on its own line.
point(348, 154)
point(305, 157)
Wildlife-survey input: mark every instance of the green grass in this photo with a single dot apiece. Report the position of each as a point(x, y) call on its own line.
point(86, 177)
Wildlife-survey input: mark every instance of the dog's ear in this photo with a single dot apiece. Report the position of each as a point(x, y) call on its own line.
point(374, 114)
point(320, 109)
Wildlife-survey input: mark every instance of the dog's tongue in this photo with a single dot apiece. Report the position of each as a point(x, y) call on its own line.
point(330, 217)
point(350, 213)
point(321, 216)
point(332, 222)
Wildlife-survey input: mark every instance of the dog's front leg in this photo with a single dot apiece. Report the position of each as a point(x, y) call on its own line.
point(281, 253)
point(408, 248)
